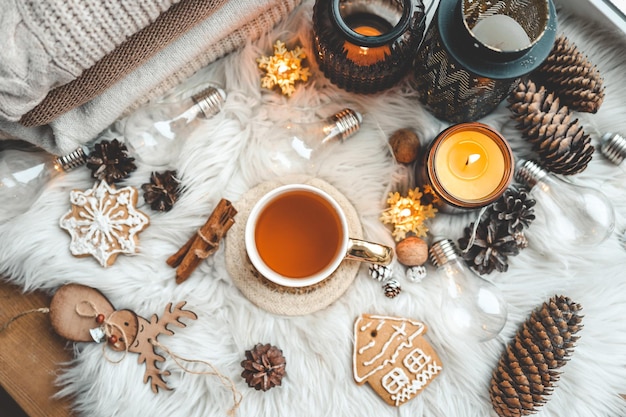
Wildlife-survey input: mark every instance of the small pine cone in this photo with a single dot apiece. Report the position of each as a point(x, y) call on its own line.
point(491, 247)
point(380, 273)
point(392, 288)
point(515, 209)
point(528, 369)
point(264, 367)
point(109, 161)
point(416, 273)
point(568, 73)
point(559, 140)
point(162, 190)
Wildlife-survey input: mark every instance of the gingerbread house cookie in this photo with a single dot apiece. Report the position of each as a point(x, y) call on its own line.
point(104, 222)
point(393, 357)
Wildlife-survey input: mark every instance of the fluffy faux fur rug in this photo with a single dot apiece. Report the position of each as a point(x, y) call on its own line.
point(225, 158)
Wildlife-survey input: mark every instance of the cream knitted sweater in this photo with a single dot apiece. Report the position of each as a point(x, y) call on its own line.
point(51, 44)
point(48, 43)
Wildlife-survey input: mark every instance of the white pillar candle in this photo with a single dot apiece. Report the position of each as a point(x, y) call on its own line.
point(501, 32)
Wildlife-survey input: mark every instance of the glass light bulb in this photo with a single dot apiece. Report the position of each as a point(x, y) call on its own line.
point(24, 172)
point(471, 306)
point(574, 214)
point(613, 147)
point(299, 145)
point(153, 133)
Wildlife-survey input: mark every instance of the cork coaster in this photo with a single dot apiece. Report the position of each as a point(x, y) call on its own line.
point(273, 297)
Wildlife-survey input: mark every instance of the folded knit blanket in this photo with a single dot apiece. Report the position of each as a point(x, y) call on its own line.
point(73, 68)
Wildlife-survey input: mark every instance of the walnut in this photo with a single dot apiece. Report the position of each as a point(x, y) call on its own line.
point(405, 145)
point(412, 251)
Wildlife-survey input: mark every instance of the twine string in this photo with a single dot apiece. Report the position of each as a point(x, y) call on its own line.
point(203, 254)
point(108, 327)
point(226, 381)
point(43, 310)
point(472, 238)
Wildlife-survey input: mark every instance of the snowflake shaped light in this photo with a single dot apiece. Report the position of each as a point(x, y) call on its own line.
point(408, 214)
point(104, 222)
point(283, 68)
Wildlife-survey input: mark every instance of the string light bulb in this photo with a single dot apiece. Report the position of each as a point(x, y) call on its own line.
point(578, 215)
point(153, 133)
point(24, 172)
point(471, 306)
point(300, 144)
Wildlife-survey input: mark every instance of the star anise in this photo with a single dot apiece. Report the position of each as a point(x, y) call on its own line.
point(264, 367)
point(109, 161)
point(162, 190)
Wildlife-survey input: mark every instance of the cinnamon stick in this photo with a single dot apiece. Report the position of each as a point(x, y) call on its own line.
point(204, 242)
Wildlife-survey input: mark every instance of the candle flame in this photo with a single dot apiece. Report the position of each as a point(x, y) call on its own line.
point(472, 159)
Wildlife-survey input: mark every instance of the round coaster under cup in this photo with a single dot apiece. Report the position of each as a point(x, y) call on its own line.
point(277, 299)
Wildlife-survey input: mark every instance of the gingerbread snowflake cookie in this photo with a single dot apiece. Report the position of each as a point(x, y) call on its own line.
point(393, 357)
point(104, 222)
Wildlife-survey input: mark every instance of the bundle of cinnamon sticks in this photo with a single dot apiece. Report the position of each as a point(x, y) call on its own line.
point(204, 242)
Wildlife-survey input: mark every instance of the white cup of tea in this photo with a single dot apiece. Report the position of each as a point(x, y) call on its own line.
point(297, 235)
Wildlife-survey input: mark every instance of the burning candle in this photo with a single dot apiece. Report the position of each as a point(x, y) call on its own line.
point(468, 166)
point(367, 46)
point(501, 32)
point(363, 55)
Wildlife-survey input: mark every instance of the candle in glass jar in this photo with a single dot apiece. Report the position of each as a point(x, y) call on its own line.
point(469, 165)
point(501, 32)
point(366, 24)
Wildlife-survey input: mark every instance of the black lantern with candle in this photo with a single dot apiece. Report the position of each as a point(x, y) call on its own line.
point(367, 46)
point(476, 51)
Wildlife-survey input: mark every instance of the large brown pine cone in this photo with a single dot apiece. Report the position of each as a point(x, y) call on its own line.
point(559, 140)
point(569, 74)
point(528, 370)
point(264, 367)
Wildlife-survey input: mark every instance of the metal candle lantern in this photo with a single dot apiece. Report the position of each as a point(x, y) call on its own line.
point(367, 46)
point(476, 51)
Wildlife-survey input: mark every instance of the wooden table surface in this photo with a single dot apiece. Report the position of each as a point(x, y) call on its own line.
point(31, 354)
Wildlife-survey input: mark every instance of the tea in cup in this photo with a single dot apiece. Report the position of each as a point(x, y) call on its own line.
point(297, 235)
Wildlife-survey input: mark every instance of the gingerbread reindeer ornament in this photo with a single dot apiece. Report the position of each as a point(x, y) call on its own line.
point(83, 314)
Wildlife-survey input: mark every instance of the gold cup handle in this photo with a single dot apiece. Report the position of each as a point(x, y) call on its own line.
point(363, 251)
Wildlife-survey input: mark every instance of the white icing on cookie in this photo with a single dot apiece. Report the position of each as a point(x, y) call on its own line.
point(104, 222)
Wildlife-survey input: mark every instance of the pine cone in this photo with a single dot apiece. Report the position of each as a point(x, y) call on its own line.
point(559, 141)
point(162, 190)
point(392, 288)
point(569, 74)
point(416, 273)
point(515, 209)
point(380, 273)
point(527, 370)
point(264, 367)
point(491, 247)
point(109, 161)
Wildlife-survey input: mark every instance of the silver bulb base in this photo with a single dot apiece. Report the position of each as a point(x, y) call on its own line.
point(210, 101)
point(529, 173)
point(613, 147)
point(442, 252)
point(72, 160)
point(347, 122)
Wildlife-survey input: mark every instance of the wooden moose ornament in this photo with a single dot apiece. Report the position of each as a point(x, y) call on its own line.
point(83, 314)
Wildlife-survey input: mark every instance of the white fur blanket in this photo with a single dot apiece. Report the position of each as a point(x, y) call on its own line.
point(223, 159)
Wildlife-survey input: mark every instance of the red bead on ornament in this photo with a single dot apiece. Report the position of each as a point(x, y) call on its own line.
point(112, 339)
point(100, 318)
